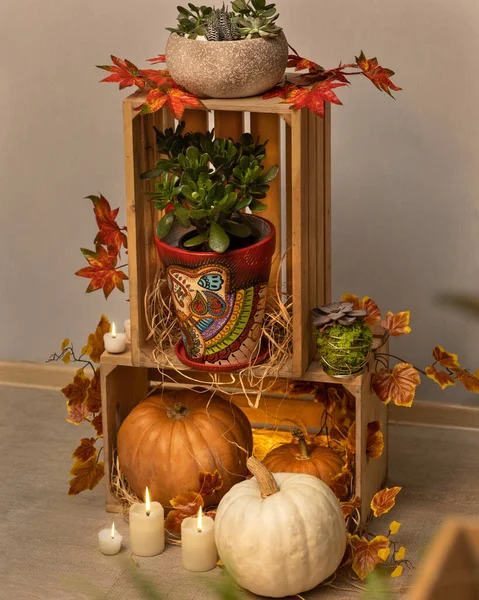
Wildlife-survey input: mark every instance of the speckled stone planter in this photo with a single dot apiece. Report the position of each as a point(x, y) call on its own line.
point(227, 69)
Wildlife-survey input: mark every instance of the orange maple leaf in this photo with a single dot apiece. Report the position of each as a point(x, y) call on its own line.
point(93, 400)
point(123, 72)
point(157, 77)
point(279, 91)
point(398, 385)
point(379, 76)
point(110, 234)
point(76, 391)
point(102, 271)
point(397, 324)
point(301, 64)
point(384, 500)
point(176, 99)
point(349, 506)
point(468, 380)
point(374, 440)
point(440, 377)
point(95, 345)
point(314, 97)
point(85, 475)
point(210, 482)
point(161, 58)
point(366, 303)
point(85, 450)
point(340, 483)
point(354, 300)
point(366, 553)
point(77, 414)
point(186, 504)
point(445, 358)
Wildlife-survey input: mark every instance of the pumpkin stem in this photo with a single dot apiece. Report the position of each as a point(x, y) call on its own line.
point(303, 449)
point(178, 411)
point(266, 481)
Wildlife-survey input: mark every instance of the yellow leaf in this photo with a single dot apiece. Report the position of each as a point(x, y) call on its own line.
point(384, 554)
point(66, 357)
point(397, 571)
point(65, 343)
point(95, 346)
point(384, 500)
point(394, 527)
point(400, 554)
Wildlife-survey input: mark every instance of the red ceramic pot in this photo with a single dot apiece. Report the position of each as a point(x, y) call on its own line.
point(219, 299)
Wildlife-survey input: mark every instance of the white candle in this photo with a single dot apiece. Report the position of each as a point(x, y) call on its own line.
point(115, 343)
point(127, 326)
point(109, 540)
point(147, 528)
point(198, 548)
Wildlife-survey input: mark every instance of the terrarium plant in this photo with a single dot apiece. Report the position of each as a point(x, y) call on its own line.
point(344, 341)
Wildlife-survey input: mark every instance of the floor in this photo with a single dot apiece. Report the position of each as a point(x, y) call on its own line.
point(48, 545)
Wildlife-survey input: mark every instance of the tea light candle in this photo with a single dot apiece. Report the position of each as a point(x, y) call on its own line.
point(109, 540)
point(198, 548)
point(115, 343)
point(127, 326)
point(147, 527)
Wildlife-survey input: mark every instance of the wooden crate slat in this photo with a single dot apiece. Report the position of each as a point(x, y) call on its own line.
point(228, 124)
point(289, 211)
point(314, 219)
point(327, 200)
point(321, 258)
point(195, 120)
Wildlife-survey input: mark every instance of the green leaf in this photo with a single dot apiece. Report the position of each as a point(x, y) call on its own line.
point(199, 214)
point(183, 216)
point(270, 174)
point(192, 154)
point(197, 240)
point(244, 203)
point(153, 173)
point(240, 230)
point(257, 206)
point(219, 240)
point(164, 225)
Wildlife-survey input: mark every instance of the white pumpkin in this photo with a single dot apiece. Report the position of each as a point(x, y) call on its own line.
point(280, 535)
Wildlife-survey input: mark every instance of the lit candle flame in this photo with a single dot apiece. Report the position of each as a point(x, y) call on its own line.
point(147, 502)
point(199, 525)
point(113, 530)
point(113, 330)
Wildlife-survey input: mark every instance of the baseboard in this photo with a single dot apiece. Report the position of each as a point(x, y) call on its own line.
point(35, 375)
point(429, 414)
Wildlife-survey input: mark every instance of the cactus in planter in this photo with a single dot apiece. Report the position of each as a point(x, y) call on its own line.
point(221, 26)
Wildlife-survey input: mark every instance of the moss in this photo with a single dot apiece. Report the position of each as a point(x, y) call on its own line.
point(344, 348)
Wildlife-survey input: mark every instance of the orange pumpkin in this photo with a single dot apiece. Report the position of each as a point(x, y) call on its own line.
point(168, 438)
point(300, 457)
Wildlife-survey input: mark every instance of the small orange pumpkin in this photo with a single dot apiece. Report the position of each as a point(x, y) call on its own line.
point(168, 438)
point(300, 457)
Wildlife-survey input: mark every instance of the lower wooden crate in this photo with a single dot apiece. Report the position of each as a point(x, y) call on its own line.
point(124, 386)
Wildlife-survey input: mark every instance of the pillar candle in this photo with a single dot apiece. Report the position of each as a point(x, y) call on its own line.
point(115, 343)
point(198, 548)
point(109, 540)
point(147, 528)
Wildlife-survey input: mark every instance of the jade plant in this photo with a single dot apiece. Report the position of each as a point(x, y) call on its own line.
point(204, 183)
point(247, 19)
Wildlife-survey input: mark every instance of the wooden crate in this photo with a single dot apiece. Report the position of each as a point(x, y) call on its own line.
point(298, 204)
point(124, 385)
point(450, 568)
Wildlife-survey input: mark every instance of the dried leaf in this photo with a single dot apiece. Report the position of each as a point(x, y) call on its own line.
point(85, 476)
point(375, 440)
point(384, 500)
point(77, 414)
point(102, 271)
point(110, 234)
point(97, 423)
point(379, 76)
point(440, 377)
point(351, 439)
point(93, 401)
point(314, 97)
point(173, 521)
point(95, 345)
point(188, 502)
point(366, 554)
point(468, 380)
point(76, 392)
point(445, 358)
point(397, 324)
point(400, 554)
point(398, 385)
point(349, 506)
point(394, 527)
point(355, 301)
point(373, 310)
point(123, 72)
point(65, 343)
point(340, 484)
point(176, 99)
point(397, 571)
point(66, 357)
point(85, 450)
point(210, 482)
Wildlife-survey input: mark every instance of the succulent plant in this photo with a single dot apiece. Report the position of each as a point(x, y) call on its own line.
point(192, 23)
point(221, 26)
point(251, 27)
point(337, 312)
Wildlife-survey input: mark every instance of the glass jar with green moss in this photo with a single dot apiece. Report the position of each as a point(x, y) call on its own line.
point(343, 340)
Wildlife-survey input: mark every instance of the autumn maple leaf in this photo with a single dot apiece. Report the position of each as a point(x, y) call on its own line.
point(445, 358)
point(85, 450)
point(468, 380)
point(123, 72)
point(161, 58)
point(97, 424)
point(93, 400)
point(210, 482)
point(95, 345)
point(301, 64)
point(374, 440)
point(177, 100)
point(379, 76)
point(185, 505)
point(442, 378)
point(102, 271)
point(76, 391)
point(366, 554)
point(397, 324)
point(384, 500)
point(315, 97)
point(157, 77)
point(366, 303)
point(85, 475)
point(280, 91)
point(110, 233)
point(398, 385)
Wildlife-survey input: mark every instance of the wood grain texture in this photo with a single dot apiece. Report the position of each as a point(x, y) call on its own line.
point(327, 200)
point(195, 120)
point(228, 124)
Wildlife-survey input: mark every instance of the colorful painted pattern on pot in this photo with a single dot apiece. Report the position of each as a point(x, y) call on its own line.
point(219, 299)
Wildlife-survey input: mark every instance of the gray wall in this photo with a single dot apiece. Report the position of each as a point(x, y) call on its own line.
point(405, 172)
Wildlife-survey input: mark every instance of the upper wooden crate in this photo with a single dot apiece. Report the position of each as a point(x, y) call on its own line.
point(298, 205)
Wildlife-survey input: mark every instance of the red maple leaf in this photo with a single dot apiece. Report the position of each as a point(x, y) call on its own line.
point(110, 234)
point(315, 97)
point(301, 64)
point(280, 91)
point(176, 99)
point(380, 76)
point(161, 58)
point(102, 271)
point(157, 77)
point(123, 72)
